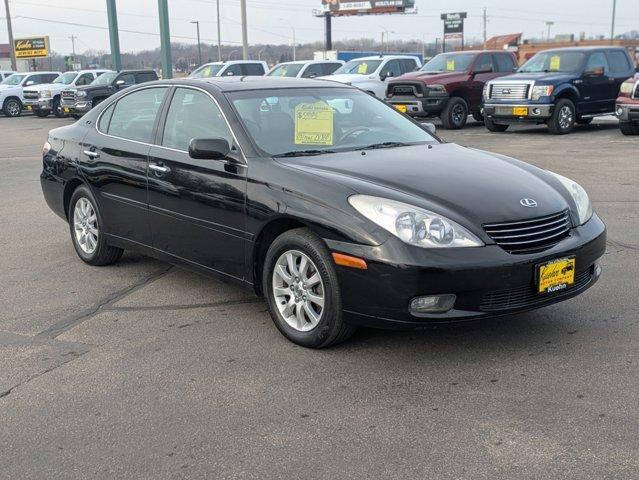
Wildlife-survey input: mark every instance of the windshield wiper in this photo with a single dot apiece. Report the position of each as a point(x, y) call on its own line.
point(303, 153)
point(375, 146)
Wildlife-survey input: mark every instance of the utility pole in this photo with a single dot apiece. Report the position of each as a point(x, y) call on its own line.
point(199, 45)
point(219, 44)
point(485, 28)
point(165, 39)
point(10, 31)
point(73, 37)
point(550, 24)
point(245, 53)
point(612, 29)
point(114, 36)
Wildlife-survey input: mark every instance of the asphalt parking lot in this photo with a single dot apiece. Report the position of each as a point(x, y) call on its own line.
point(143, 370)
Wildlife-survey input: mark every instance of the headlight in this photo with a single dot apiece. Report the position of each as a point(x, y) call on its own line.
point(45, 94)
point(542, 91)
point(437, 90)
point(80, 94)
point(627, 87)
point(579, 195)
point(413, 225)
point(485, 91)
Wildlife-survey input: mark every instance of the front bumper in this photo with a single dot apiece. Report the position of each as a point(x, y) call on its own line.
point(504, 112)
point(76, 107)
point(487, 281)
point(39, 104)
point(627, 113)
point(420, 106)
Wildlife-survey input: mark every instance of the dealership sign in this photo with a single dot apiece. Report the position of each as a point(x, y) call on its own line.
point(338, 7)
point(454, 25)
point(34, 47)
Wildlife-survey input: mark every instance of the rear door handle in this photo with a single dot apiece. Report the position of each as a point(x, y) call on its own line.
point(159, 168)
point(91, 154)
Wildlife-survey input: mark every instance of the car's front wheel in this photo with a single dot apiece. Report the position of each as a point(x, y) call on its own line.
point(85, 223)
point(12, 107)
point(302, 291)
point(563, 118)
point(455, 115)
point(495, 127)
point(629, 128)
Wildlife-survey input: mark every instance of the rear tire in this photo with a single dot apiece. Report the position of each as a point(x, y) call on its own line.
point(85, 223)
point(297, 254)
point(629, 128)
point(563, 118)
point(495, 127)
point(12, 107)
point(455, 115)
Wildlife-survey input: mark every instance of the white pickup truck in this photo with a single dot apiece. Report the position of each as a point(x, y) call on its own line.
point(11, 89)
point(44, 99)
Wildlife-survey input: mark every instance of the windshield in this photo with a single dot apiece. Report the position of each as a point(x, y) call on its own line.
point(286, 70)
point(283, 122)
point(105, 78)
point(359, 67)
point(66, 78)
point(445, 62)
point(206, 71)
point(13, 80)
point(554, 62)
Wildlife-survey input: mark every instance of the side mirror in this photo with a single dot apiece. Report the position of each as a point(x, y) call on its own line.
point(119, 84)
point(430, 127)
point(384, 75)
point(595, 72)
point(29, 83)
point(209, 148)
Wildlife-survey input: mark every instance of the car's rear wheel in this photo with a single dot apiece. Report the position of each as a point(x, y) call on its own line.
point(85, 222)
point(629, 128)
point(563, 118)
point(12, 107)
point(302, 291)
point(455, 114)
point(58, 111)
point(495, 127)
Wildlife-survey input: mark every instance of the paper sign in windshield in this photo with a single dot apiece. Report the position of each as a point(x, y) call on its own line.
point(555, 63)
point(362, 68)
point(450, 65)
point(313, 124)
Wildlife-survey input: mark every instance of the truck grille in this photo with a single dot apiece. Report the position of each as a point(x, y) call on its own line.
point(68, 95)
point(509, 91)
point(530, 236)
point(523, 297)
point(636, 94)
point(30, 95)
point(406, 90)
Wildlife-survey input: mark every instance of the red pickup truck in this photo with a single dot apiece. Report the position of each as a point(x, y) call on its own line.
point(628, 106)
point(450, 85)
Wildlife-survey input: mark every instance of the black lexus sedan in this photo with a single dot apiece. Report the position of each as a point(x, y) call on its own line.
point(335, 207)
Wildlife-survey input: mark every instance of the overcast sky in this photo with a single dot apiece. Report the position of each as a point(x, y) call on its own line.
point(271, 21)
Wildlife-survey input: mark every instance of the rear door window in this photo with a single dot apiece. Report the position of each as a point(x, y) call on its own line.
point(329, 68)
point(145, 77)
point(504, 62)
point(253, 69)
point(618, 61)
point(134, 114)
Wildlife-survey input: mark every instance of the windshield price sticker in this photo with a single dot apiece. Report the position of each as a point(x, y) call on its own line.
point(450, 65)
point(313, 124)
point(362, 68)
point(555, 63)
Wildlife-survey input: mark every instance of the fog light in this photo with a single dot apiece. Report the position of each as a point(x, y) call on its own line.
point(432, 304)
point(536, 111)
point(619, 111)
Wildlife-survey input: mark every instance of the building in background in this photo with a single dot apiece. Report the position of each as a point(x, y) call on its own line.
point(5, 56)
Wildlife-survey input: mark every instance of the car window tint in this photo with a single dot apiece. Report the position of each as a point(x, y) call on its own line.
point(193, 114)
point(146, 77)
point(484, 63)
point(618, 62)
point(252, 69)
point(314, 70)
point(392, 68)
point(127, 78)
point(597, 60)
point(235, 69)
point(134, 114)
point(329, 68)
point(103, 124)
point(504, 63)
point(407, 65)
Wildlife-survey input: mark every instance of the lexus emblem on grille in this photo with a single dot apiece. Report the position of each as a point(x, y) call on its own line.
point(528, 202)
point(506, 91)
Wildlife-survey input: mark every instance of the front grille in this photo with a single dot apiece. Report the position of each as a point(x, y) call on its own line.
point(636, 94)
point(509, 91)
point(68, 95)
point(523, 297)
point(530, 236)
point(30, 95)
point(406, 90)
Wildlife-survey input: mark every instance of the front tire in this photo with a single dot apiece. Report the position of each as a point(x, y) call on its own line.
point(455, 115)
point(12, 107)
point(302, 290)
point(563, 118)
point(495, 127)
point(85, 223)
point(629, 128)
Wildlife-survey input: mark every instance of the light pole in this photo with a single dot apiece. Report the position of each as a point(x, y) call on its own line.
point(549, 24)
point(10, 32)
point(219, 44)
point(387, 33)
point(294, 42)
point(231, 54)
point(612, 28)
point(199, 45)
point(245, 54)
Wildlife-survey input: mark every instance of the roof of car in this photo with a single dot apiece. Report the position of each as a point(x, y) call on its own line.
point(583, 49)
point(229, 62)
point(236, 83)
point(303, 62)
point(377, 57)
point(477, 52)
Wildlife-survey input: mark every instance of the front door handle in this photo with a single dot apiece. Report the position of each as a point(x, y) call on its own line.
point(159, 169)
point(91, 154)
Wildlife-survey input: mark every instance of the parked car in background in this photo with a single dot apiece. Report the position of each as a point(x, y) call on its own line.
point(560, 88)
point(371, 73)
point(5, 73)
point(628, 106)
point(305, 68)
point(78, 101)
point(44, 99)
point(12, 88)
point(231, 68)
point(450, 85)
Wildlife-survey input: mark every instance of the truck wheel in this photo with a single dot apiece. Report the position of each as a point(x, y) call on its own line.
point(495, 127)
point(629, 128)
point(57, 108)
point(478, 117)
point(12, 107)
point(563, 118)
point(455, 114)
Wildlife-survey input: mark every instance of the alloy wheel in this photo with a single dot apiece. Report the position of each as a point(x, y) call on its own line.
point(566, 117)
point(298, 290)
point(13, 108)
point(458, 114)
point(85, 225)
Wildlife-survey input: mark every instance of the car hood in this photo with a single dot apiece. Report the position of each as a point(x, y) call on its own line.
point(350, 78)
point(431, 77)
point(469, 186)
point(4, 88)
point(556, 77)
point(45, 86)
point(93, 88)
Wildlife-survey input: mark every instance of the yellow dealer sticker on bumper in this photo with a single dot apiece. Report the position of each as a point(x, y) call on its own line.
point(556, 275)
point(313, 124)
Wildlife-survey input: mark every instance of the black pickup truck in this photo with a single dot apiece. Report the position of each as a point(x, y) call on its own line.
point(560, 88)
point(78, 101)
